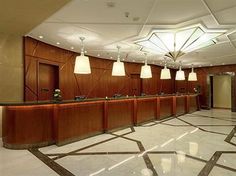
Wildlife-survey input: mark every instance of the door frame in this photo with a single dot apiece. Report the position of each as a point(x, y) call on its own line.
point(55, 64)
point(209, 93)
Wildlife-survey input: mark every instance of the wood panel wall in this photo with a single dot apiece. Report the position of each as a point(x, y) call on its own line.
point(98, 84)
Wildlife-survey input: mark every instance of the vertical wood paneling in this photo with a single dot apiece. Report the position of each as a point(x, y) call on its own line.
point(98, 84)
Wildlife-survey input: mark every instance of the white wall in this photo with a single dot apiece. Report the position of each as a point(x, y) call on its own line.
point(222, 91)
point(11, 69)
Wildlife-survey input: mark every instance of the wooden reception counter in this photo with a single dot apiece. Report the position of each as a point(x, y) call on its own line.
point(36, 124)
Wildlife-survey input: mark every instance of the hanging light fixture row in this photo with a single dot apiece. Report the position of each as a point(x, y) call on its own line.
point(82, 66)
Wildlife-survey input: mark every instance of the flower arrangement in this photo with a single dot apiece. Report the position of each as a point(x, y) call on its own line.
point(57, 95)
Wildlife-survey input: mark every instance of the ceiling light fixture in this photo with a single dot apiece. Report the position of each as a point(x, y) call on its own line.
point(58, 43)
point(146, 71)
point(40, 36)
point(118, 68)
point(82, 64)
point(180, 76)
point(176, 43)
point(165, 72)
point(192, 75)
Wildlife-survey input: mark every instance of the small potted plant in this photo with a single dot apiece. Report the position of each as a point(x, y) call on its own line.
point(57, 95)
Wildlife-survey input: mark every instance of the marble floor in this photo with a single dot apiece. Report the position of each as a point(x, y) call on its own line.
point(198, 144)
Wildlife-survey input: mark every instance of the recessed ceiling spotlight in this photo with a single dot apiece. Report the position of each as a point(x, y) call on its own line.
point(111, 4)
point(126, 14)
point(133, 60)
point(85, 52)
point(136, 18)
point(58, 43)
point(40, 36)
point(98, 55)
point(111, 57)
point(72, 48)
point(123, 59)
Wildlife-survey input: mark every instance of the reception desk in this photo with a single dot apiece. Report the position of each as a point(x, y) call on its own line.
point(37, 124)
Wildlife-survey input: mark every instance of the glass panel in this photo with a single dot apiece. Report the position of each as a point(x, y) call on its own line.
point(168, 39)
point(182, 37)
point(206, 44)
point(197, 34)
point(151, 46)
point(202, 40)
point(154, 39)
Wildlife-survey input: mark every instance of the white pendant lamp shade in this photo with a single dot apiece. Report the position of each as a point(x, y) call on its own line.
point(146, 71)
point(118, 68)
point(82, 64)
point(165, 73)
point(180, 75)
point(192, 76)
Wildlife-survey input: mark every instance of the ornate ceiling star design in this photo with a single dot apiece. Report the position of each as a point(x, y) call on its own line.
point(176, 43)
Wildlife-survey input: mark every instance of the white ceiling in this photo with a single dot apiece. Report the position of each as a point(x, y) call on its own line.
point(106, 27)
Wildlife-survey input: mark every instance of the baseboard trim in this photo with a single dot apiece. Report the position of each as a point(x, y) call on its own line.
point(220, 108)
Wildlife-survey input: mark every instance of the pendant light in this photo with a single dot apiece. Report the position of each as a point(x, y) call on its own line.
point(165, 72)
point(82, 64)
point(118, 68)
point(180, 74)
point(146, 71)
point(192, 76)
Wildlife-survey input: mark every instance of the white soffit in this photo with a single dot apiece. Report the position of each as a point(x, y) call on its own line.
point(18, 17)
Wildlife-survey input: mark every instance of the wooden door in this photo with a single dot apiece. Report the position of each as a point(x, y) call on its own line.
point(48, 81)
point(135, 85)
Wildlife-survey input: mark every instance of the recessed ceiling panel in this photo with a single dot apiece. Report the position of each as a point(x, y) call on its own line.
point(232, 36)
point(219, 5)
point(218, 50)
point(227, 16)
point(177, 11)
point(103, 11)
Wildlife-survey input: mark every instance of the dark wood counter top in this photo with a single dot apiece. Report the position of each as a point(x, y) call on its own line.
point(25, 103)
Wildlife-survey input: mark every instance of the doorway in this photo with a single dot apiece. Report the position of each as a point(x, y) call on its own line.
point(48, 81)
point(221, 93)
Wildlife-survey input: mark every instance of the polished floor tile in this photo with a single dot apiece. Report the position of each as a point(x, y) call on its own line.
point(198, 144)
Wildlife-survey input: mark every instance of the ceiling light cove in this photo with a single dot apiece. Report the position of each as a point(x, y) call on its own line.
point(176, 43)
